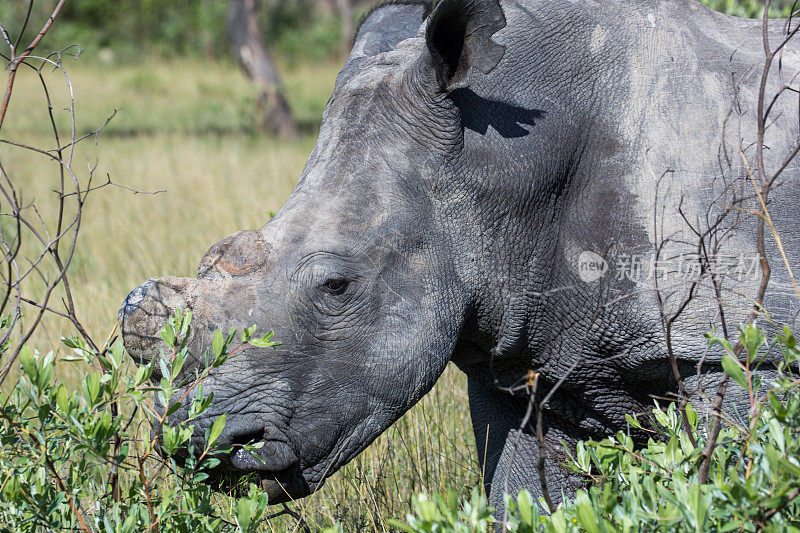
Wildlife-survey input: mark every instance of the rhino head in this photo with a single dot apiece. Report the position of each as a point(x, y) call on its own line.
point(363, 274)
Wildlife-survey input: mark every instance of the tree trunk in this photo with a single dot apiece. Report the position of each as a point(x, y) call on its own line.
point(248, 45)
point(329, 7)
point(345, 8)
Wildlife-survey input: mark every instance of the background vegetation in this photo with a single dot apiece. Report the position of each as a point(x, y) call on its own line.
point(184, 124)
point(296, 30)
point(134, 30)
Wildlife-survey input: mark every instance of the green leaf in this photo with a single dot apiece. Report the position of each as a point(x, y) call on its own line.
point(174, 407)
point(734, 369)
point(661, 417)
point(143, 373)
point(62, 398)
point(752, 339)
point(691, 416)
point(525, 507)
point(244, 514)
point(247, 333)
point(261, 343)
point(633, 422)
point(788, 339)
point(218, 344)
point(216, 429)
point(452, 500)
point(586, 515)
point(168, 436)
point(28, 363)
point(402, 526)
point(712, 340)
point(177, 363)
point(92, 387)
point(777, 435)
point(165, 371)
point(168, 334)
point(70, 342)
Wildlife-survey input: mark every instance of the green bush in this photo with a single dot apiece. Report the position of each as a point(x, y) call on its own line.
point(750, 8)
point(85, 460)
point(753, 483)
point(447, 514)
point(298, 29)
point(134, 29)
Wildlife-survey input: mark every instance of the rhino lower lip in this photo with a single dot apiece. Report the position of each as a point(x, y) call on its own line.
point(280, 486)
point(284, 489)
point(275, 464)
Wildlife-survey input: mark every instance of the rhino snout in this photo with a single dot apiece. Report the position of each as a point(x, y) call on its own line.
point(144, 312)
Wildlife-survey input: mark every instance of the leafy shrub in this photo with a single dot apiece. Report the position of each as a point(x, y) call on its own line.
point(296, 29)
point(134, 29)
point(750, 8)
point(86, 460)
point(447, 514)
point(754, 480)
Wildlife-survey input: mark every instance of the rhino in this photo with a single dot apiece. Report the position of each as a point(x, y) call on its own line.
point(501, 185)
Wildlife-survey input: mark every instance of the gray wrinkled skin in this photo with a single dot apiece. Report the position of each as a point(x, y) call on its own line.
point(464, 163)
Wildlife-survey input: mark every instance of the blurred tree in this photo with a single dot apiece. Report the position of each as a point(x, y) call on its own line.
point(307, 30)
point(345, 8)
point(249, 48)
point(751, 8)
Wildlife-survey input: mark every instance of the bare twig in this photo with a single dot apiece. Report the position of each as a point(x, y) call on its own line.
point(762, 187)
point(17, 59)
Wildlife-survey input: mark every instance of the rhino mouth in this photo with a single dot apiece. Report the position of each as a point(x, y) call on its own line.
point(273, 466)
point(281, 487)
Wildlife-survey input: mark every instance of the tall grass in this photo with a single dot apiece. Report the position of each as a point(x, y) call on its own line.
point(185, 127)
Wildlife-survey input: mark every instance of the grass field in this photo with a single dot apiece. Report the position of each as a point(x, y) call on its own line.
point(185, 127)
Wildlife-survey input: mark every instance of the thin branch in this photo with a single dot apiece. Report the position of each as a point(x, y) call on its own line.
point(15, 61)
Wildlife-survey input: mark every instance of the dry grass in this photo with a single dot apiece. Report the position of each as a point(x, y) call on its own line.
point(181, 130)
point(186, 127)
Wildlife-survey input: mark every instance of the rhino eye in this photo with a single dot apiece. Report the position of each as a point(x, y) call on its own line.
point(335, 285)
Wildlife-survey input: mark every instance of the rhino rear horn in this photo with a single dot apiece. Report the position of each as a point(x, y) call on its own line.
point(458, 37)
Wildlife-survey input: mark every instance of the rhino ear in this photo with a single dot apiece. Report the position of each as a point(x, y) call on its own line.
point(458, 37)
point(384, 26)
